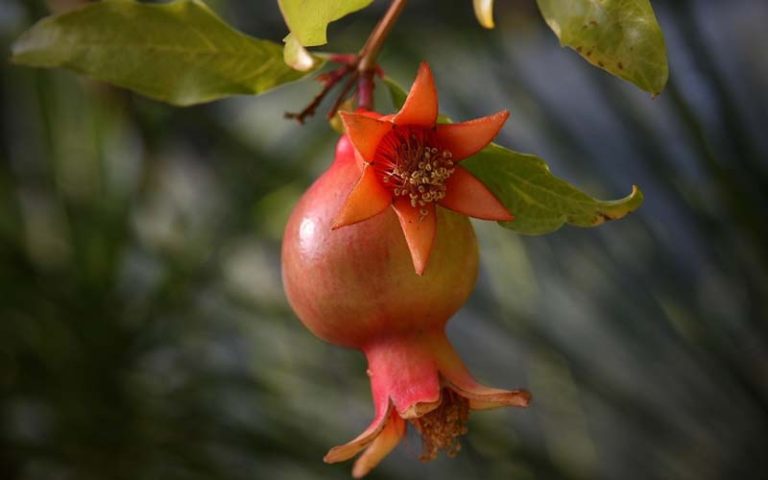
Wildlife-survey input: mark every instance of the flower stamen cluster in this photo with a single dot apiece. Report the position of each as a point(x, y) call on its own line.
point(411, 166)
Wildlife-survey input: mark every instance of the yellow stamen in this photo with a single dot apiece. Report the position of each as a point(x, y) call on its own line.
point(411, 166)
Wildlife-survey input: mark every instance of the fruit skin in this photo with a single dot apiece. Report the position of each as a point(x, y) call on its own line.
point(356, 285)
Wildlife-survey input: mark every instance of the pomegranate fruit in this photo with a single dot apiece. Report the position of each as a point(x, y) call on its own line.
point(356, 286)
point(355, 283)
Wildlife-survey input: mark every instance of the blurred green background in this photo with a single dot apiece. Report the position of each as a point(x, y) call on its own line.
point(143, 329)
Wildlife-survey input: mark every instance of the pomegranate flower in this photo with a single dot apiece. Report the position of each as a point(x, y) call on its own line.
point(411, 163)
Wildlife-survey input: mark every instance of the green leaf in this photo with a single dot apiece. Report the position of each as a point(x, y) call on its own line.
point(620, 36)
point(541, 202)
point(178, 52)
point(308, 19)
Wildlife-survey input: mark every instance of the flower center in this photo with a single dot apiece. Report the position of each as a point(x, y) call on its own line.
point(441, 428)
point(410, 164)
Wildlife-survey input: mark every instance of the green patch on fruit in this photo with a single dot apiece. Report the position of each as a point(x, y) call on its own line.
point(179, 52)
point(622, 37)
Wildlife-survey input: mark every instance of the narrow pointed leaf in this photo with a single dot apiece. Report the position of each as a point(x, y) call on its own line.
point(308, 19)
point(178, 52)
point(541, 202)
point(620, 36)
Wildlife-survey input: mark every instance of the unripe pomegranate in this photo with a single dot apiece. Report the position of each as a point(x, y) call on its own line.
point(358, 282)
point(386, 280)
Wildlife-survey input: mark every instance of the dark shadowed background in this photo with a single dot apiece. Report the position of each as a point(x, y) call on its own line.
point(143, 329)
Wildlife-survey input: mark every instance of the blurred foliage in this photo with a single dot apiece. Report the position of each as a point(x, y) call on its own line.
point(143, 330)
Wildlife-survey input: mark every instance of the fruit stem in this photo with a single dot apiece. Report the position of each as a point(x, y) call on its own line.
point(361, 68)
point(369, 53)
point(372, 47)
point(329, 80)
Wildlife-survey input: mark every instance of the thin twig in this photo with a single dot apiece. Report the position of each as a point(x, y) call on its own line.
point(361, 69)
point(372, 47)
point(343, 95)
point(329, 84)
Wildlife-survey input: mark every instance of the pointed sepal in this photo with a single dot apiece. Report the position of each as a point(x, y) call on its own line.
point(420, 107)
point(382, 445)
point(459, 380)
point(419, 228)
point(365, 132)
point(367, 199)
point(467, 195)
point(344, 452)
point(467, 138)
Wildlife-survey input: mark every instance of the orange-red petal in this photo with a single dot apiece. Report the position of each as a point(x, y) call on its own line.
point(467, 195)
point(481, 397)
point(420, 107)
point(353, 447)
point(384, 410)
point(459, 379)
point(467, 138)
point(367, 198)
point(383, 444)
point(365, 132)
point(419, 228)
